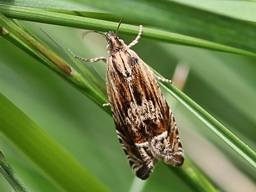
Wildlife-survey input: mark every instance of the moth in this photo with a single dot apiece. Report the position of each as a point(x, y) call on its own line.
point(145, 125)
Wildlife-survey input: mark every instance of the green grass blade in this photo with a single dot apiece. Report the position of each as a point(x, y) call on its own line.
point(172, 22)
point(186, 20)
point(10, 175)
point(221, 131)
point(26, 42)
point(34, 14)
point(194, 177)
point(35, 48)
point(62, 168)
point(176, 17)
point(89, 93)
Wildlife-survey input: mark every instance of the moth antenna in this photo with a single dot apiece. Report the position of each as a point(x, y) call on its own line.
point(120, 22)
point(86, 32)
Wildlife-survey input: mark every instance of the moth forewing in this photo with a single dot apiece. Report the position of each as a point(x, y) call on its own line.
point(140, 111)
point(144, 123)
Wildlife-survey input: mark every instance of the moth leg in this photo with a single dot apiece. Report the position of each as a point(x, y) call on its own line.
point(88, 60)
point(135, 41)
point(163, 79)
point(106, 105)
point(167, 146)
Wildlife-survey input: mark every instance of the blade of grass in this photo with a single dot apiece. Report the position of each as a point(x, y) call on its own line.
point(134, 29)
point(15, 29)
point(11, 176)
point(33, 14)
point(62, 168)
point(22, 39)
point(220, 130)
point(184, 20)
point(176, 17)
point(194, 177)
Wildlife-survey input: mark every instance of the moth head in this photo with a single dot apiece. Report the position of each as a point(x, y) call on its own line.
point(114, 43)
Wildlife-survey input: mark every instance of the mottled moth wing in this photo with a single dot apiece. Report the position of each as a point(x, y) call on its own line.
point(141, 167)
point(144, 123)
point(145, 126)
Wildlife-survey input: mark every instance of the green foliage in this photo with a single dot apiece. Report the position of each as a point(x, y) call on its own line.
point(221, 82)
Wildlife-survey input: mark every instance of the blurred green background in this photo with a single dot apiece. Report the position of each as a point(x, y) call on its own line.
point(221, 83)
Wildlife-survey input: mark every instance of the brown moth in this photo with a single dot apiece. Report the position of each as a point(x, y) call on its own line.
point(144, 123)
